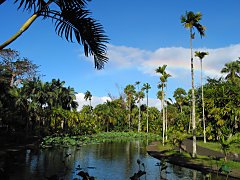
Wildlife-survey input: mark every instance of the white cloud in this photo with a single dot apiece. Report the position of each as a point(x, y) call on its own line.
point(95, 100)
point(177, 59)
point(100, 100)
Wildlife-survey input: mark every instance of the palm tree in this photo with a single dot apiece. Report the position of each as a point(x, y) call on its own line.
point(191, 21)
point(165, 77)
point(88, 96)
point(160, 96)
point(179, 94)
point(129, 90)
point(232, 69)
point(71, 19)
point(139, 97)
point(201, 55)
point(146, 87)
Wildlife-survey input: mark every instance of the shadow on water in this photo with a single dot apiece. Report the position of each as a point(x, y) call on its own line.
point(109, 160)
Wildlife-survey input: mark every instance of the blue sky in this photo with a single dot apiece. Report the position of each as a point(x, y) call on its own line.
point(143, 35)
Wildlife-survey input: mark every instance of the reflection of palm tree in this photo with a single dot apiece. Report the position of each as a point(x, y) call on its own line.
point(201, 55)
point(71, 19)
point(146, 87)
point(190, 21)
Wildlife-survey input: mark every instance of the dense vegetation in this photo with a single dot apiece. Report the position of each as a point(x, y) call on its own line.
point(29, 105)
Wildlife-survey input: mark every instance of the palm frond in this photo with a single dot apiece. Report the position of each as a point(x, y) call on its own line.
point(2, 1)
point(29, 5)
point(87, 31)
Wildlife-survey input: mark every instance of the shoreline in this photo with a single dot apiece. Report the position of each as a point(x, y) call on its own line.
point(187, 162)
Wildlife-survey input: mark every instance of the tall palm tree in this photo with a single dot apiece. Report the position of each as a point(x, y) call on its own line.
point(146, 87)
point(201, 55)
point(160, 96)
point(139, 97)
point(232, 69)
point(72, 19)
point(129, 90)
point(191, 21)
point(165, 77)
point(88, 96)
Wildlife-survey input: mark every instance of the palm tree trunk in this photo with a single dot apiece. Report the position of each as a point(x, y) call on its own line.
point(193, 102)
point(166, 122)
point(25, 26)
point(203, 114)
point(190, 120)
point(163, 113)
point(129, 114)
point(147, 112)
point(139, 116)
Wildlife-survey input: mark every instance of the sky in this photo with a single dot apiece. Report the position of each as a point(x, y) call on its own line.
point(143, 36)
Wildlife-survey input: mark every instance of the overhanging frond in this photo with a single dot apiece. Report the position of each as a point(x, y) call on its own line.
point(87, 31)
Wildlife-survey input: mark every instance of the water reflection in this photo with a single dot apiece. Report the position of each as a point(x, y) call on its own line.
point(104, 161)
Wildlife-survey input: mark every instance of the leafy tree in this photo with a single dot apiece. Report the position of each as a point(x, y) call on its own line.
point(72, 18)
point(15, 69)
point(201, 55)
point(191, 21)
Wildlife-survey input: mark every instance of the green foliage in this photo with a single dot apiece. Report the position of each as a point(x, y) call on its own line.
point(67, 140)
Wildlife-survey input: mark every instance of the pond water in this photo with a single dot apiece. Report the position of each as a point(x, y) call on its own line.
point(105, 161)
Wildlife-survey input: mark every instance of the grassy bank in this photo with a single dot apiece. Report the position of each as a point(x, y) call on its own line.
point(202, 163)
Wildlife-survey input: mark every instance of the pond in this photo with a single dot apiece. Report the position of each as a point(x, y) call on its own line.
point(105, 161)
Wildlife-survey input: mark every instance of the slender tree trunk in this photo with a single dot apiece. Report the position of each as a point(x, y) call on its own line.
point(139, 116)
point(166, 122)
point(129, 114)
point(147, 112)
point(25, 26)
point(190, 120)
point(203, 114)
point(163, 113)
point(194, 153)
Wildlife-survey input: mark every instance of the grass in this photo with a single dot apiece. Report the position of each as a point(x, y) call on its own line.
point(205, 160)
point(234, 148)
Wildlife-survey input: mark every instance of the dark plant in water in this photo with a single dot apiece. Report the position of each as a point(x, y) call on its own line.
point(140, 173)
point(85, 175)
